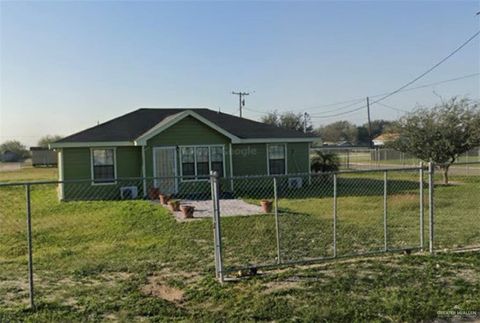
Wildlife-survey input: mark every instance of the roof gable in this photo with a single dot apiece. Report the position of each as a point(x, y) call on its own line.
point(174, 119)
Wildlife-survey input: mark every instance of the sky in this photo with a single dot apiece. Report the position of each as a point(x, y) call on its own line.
point(65, 66)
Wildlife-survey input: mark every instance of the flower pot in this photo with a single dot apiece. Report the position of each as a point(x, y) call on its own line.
point(187, 211)
point(153, 193)
point(266, 206)
point(164, 199)
point(174, 205)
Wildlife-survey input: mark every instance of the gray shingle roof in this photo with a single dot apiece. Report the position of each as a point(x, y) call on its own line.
point(130, 126)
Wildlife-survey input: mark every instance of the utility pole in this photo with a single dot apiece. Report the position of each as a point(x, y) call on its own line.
point(241, 102)
point(305, 116)
point(369, 122)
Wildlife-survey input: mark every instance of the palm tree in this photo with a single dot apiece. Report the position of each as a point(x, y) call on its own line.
point(325, 162)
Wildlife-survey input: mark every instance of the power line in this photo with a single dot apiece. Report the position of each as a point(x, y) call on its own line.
point(406, 90)
point(430, 69)
point(415, 79)
point(353, 102)
point(255, 111)
point(357, 100)
point(392, 108)
point(344, 107)
point(432, 84)
point(403, 87)
point(339, 114)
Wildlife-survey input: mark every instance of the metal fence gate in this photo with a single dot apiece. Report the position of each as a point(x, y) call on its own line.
point(312, 217)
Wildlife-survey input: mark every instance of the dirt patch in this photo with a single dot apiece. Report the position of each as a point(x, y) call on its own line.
point(469, 275)
point(281, 286)
point(157, 287)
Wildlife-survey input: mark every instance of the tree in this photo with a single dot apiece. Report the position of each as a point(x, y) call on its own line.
point(325, 162)
point(48, 139)
point(15, 147)
point(289, 120)
point(339, 131)
point(440, 134)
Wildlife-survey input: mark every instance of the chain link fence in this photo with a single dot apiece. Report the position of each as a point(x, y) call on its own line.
point(312, 217)
point(301, 218)
point(381, 157)
point(61, 242)
point(457, 208)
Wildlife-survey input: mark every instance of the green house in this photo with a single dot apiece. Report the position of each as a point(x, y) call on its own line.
point(174, 150)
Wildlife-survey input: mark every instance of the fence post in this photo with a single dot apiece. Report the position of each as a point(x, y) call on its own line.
point(29, 242)
point(422, 209)
point(431, 174)
point(277, 224)
point(385, 192)
point(348, 159)
point(468, 172)
point(334, 215)
point(217, 235)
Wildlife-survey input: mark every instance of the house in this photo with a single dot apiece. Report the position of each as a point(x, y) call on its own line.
point(183, 144)
point(9, 156)
point(384, 138)
point(42, 156)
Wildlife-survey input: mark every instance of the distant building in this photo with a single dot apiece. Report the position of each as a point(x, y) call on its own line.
point(9, 156)
point(384, 138)
point(342, 143)
point(43, 157)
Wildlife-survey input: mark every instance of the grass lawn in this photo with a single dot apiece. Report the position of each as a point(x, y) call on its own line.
point(130, 260)
point(29, 173)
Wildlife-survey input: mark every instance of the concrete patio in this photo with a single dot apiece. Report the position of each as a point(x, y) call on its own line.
point(228, 207)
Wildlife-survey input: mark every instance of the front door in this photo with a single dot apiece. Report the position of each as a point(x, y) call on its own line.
point(165, 169)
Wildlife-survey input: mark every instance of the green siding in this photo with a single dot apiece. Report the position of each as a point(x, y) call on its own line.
point(77, 166)
point(76, 163)
point(188, 131)
point(249, 159)
point(129, 162)
point(298, 157)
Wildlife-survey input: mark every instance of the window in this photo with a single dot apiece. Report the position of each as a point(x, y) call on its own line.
point(103, 165)
point(216, 155)
point(198, 161)
point(276, 159)
point(203, 167)
point(188, 161)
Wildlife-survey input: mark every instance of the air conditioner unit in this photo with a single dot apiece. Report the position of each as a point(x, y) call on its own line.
point(128, 192)
point(295, 182)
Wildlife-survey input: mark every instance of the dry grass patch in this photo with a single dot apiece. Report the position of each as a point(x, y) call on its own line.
point(156, 286)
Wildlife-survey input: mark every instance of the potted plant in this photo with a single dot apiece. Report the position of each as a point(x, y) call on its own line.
point(174, 205)
point(164, 198)
point(153, 193)
point(187, 211)
point(266, 206)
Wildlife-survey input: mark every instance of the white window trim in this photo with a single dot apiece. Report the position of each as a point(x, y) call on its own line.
point(61, 175)
point(114, 166)
point(155, 175)
point(268, 157)
point(144, 172)
point(196, 179)
point(230, 151)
